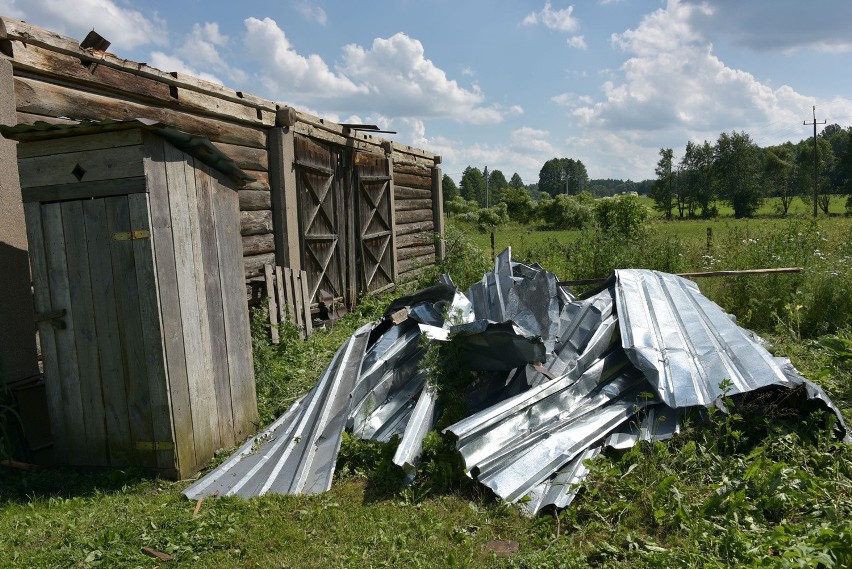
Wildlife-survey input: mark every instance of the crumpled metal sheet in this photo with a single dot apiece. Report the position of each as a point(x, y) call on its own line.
point(558, 383)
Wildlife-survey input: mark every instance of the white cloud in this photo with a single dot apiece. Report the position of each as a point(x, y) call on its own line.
point(287, 72)
point(672, 88)
point(559, 20)
point(201, 48)
point(527, 139)
point(578, 42)
point(311, 13)
point(572, 100)
point(124, 27)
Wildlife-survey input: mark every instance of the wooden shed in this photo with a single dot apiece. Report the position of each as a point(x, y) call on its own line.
point(134, 240)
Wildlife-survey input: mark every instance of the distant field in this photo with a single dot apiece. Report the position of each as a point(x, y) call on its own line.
point(770, 207)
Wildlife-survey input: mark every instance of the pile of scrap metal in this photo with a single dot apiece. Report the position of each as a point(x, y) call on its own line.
point(559, 380)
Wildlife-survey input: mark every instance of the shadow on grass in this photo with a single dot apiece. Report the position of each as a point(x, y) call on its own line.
point(24, 486)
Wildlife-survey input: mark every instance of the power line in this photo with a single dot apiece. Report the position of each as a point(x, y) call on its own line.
point(814, 123)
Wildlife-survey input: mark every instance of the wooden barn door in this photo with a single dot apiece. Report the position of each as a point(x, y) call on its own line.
point(373, 222)
point(321, 217)
point(95, 298)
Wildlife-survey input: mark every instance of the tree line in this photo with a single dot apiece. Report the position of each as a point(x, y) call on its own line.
point(736, 171)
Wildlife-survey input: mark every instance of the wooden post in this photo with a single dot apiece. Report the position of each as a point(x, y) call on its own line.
point(17, 328)
point(388, 148)
point(438, 210)
point(285, 206)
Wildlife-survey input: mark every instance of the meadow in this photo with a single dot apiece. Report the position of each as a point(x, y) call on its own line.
point(741, 489)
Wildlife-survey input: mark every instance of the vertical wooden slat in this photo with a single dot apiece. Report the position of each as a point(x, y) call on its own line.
point(215, 313)
point(152, 339)
point(298, 298)
point(130, 331)
point(164, 240)
point(241, 371)
point(352, 245)
point(392, 215)
point(309, 327)
point(113, 376)
point(289, 295)
point(47, 334)
point(438, 212)
point(279, 292)
point(285, 203)
point(271, 305)
point(66, 351)
point(85, 334)
point(190, 325)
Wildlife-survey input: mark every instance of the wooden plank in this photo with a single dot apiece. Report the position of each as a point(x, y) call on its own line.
point(53, 146)
point(201, 403)
point(237, 332)
point(279, 292)
point(29, 118)
point(261, 180)
point(130, 330)
point(438, 212)
point(33, 35)
point(66, 352)
point(254, 200)
point(257, 244)
point(415, 240)
point(170, 309)
point(414, 168)
point(112, 371)
point(285, 203)
point(306, 305)
point(109, 164)
point(415, 227)
point(37, 97)
point(221, 380)
point(413, 216)
point(246, 158)
point(85, 334)
point(406, 193)
point(255, 222)
point(392, 217)
point(415, 252)
point(412, 181)
point(152, 335)
point(298, 297)
point(271, 305)
point(409, 204)
point(205, 399)
point(46, 331)
point(406, 265)
point(79, 190)
point(289, 296)
point(253, 266)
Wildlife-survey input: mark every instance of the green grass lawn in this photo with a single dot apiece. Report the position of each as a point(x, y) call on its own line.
point(741, 490)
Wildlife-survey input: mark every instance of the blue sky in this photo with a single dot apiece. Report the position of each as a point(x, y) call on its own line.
point(503, 84)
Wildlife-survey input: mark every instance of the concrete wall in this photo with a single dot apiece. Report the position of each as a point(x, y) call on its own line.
point(17, 331)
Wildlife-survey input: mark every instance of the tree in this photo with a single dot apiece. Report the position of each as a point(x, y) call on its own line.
point(449, 189)
point(516, 182)
point(825, 166)
point(737, 166)
point(663, 192)
point(779, 172)
point(472, 185)
point(496, 184)
point(520, 204)
point(562, 176)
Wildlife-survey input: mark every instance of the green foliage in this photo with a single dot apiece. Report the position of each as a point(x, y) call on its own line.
point(567, 211)
point(520, 205)
point(449, 189)
point(621, 214)
point(472, 185)
point(459, 206)
point(562, 175)
point(663, 191)
point(464, 261)
point(737, 169)
point(485, 218)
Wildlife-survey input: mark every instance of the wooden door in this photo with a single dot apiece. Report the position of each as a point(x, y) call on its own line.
point(96, 303)
point(373, 222)
point(321, 216)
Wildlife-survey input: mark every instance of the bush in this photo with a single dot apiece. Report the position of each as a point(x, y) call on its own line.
point(521, 207)
point(621, 214)
point(567, 212)
point(464, 261)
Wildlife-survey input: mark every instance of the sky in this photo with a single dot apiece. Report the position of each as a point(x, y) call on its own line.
point(507, 85)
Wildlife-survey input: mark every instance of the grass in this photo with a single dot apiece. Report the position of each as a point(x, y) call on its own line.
point(742, 489)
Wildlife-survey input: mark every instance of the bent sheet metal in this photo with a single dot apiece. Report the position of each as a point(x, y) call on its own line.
point(559, 380)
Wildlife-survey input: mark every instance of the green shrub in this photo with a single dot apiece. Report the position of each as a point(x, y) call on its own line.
point(464, 261)
point(567, 211)
point(622, 214)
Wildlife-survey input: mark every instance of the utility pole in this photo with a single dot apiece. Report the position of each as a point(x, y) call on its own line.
point(487, 196)
point(814, 123)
